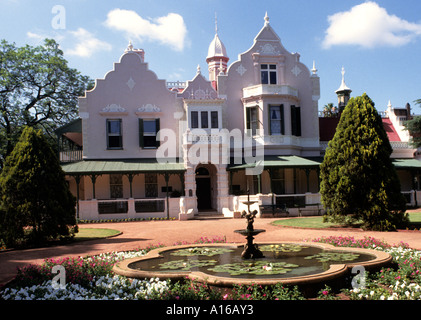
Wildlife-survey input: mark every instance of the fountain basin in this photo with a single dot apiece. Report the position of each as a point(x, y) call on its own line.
point(298, 264)
point(247, 232)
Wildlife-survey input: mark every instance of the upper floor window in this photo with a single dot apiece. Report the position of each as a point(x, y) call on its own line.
point(148, 131)
point(214, 120)
point(268, 73)
point(276, 118)
point(194, 119)
point(114, 134)
point(252, 119)
point(206, 118)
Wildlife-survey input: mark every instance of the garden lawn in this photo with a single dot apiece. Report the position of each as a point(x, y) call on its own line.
point(94, 233)
point(304, 222)
point(317, 222)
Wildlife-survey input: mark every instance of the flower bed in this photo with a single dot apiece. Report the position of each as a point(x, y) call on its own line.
point(92, 278)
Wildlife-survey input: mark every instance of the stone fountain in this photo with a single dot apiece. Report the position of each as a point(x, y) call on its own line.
point(308, 265)
point(251, 250)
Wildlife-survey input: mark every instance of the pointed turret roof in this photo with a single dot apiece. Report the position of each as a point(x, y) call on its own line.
point(343, 86)
point(216, 48)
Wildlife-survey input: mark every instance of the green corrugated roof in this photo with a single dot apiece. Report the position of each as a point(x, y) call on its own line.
point(407, 163)
point(282, 161)
point(121, 166)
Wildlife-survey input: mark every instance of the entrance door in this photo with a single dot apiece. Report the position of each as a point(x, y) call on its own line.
point(203, 189)
point(203, 193)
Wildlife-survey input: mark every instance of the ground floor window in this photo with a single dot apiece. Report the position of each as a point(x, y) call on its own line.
point(278, 181)
point(151, 185)
point(116, 186)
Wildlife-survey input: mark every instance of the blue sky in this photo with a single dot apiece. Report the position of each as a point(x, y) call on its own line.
point(377, 42)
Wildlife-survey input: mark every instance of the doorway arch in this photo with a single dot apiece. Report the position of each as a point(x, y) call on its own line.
point(206, 190)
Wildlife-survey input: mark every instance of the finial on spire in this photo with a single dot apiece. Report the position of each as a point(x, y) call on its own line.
point(130, 46)
point(216, 24)
point(266, 19)
point(343, 86)
point(314, 70)
point(198, 69)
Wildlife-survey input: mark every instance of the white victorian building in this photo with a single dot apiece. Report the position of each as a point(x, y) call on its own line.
point(144, 147)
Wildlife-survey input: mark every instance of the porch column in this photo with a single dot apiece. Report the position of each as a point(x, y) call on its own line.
point(93, 179)
point(77, 179)
point(259, 182)
point(318, 179)
point(270, 172)
point(414, 185)
point(130, 176)
point(167, 178)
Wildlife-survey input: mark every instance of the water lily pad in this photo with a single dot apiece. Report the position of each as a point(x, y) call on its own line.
point(256, 267)
point(334, 256)
point(184, 265)
point(284, 247)
point(201, 251)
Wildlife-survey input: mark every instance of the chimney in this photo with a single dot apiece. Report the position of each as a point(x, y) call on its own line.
point(408, 111)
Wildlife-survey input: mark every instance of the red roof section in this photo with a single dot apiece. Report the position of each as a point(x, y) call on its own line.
point(327, 128)
point(390, 130)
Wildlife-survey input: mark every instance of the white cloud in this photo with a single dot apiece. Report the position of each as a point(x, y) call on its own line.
point(35, 36)
point(368, 25)
point(87, 44)
point(169, 30)
point(38, 38)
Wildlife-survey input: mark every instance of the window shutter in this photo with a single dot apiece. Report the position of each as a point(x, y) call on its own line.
point(296, 121)
point(248, 124)
point(282, 120)
point(158, 142)
point(141, 144)
point(293, 121)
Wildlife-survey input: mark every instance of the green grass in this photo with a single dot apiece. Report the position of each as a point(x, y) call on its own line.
point(310, 222)
point(94, 233)
point(317, 222)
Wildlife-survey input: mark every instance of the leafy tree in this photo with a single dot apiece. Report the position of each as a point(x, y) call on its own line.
point(414, 128)
point(358, 179)
point(35, 199)
point(37, 89)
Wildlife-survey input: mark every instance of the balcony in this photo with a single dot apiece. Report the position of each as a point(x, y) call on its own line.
point(71, 156)
point(269, 89)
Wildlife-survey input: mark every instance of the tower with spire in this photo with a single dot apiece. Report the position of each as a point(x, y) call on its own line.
point(343, 93)
point(217, 58)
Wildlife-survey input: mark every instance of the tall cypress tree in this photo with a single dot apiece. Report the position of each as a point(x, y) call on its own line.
point(36, 204)
point(358, 179)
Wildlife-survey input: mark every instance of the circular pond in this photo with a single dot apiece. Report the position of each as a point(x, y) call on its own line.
point(221, 264)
